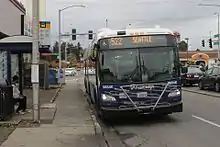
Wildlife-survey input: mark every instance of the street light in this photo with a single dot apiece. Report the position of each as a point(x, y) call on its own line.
point(218, 33)
point(59, 41)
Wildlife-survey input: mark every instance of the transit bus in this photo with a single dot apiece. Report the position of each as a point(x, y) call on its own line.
point(137, 71)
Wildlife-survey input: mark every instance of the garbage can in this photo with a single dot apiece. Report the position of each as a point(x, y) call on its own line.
point(6, 102)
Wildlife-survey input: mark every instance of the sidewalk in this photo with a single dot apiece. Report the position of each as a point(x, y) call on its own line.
point(47, 115)
point(72, 127)
point(47, 109)
point(44, 95)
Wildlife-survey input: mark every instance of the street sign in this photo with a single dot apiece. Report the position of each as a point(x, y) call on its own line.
point(61, 74)
point(44, 34)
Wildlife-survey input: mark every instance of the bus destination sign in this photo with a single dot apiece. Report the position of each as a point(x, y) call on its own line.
point(137, 41)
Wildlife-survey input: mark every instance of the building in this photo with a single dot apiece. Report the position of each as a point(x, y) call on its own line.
point(12, 23)
point(28, 19)
point(12, 18)
point(212, 55)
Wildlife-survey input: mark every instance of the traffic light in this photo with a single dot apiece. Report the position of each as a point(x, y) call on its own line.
point(90, 34)
point(73, 34)
point(210, 43)
point(203, 43)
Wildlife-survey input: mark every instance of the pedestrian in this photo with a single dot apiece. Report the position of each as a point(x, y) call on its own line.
point(18, 98)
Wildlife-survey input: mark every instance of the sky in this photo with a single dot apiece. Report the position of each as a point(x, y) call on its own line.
point(185, 16)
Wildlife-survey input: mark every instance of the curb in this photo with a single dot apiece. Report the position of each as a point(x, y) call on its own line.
point(56, 94)
point(97, 127)
point(9, 123)
point(202, 93)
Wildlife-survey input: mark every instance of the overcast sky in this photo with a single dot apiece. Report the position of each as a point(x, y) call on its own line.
point(184, 16)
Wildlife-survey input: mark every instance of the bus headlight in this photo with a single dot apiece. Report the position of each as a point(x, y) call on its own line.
point(174, 93)
point(107, 98)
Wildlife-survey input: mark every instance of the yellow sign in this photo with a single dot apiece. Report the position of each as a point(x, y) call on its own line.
point(200, 57)
point(44, 24)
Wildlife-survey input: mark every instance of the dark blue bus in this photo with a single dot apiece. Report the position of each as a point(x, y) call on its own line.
point(135, 73)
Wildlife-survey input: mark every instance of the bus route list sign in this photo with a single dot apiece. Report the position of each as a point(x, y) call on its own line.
point(137, 41)
point(44, 34)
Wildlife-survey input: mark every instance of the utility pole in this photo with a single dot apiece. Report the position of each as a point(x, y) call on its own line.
point(35, 61)
point(187, 51)
point(218, 36)
point(218, 33)
point(59, 43)
point(66, 51)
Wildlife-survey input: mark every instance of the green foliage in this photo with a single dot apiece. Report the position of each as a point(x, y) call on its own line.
point(56, 47)
point(183, 46)
point(73, 51)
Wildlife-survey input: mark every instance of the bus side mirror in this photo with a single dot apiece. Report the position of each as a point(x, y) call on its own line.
point(96, 46)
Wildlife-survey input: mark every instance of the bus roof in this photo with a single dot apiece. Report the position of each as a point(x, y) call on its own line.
point(106, 32)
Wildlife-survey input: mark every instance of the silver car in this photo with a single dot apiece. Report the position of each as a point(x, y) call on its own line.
point(70, 72)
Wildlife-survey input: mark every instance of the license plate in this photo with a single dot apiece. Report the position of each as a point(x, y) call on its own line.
point(141, 94)
point(196, 76)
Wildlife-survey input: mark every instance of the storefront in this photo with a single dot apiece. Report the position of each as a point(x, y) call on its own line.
point(197, 57)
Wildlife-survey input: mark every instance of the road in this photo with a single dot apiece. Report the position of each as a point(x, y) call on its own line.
point(197, 126)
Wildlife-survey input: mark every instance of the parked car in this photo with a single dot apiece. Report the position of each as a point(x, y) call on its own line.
point(70, 72)
point(211, 79)
point(91, 71)
point(190, 75)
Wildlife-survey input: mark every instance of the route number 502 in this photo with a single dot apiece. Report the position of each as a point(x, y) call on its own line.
point(116, 41)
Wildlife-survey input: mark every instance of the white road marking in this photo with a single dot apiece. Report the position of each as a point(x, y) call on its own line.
point(206, 121)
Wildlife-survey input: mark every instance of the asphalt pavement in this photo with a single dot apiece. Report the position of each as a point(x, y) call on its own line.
point(197, 126)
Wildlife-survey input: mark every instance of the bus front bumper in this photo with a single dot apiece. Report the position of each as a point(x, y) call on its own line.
point(144, 110)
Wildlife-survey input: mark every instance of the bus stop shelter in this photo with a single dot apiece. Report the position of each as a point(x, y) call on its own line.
point(18, 45)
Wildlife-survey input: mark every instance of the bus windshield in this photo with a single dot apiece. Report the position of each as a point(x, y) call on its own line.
point(138, 65)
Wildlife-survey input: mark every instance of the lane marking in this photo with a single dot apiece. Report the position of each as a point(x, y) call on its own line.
point(206, 121)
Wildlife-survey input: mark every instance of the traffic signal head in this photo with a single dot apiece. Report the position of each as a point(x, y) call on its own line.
point(210, 43)
point(90, 34)
point(203, 43)
point(73, 34)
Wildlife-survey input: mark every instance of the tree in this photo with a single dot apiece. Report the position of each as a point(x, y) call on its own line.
point(74, 52)
point(183, 46)
point(56, 47)
point(63, 47)
point(73, 60)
